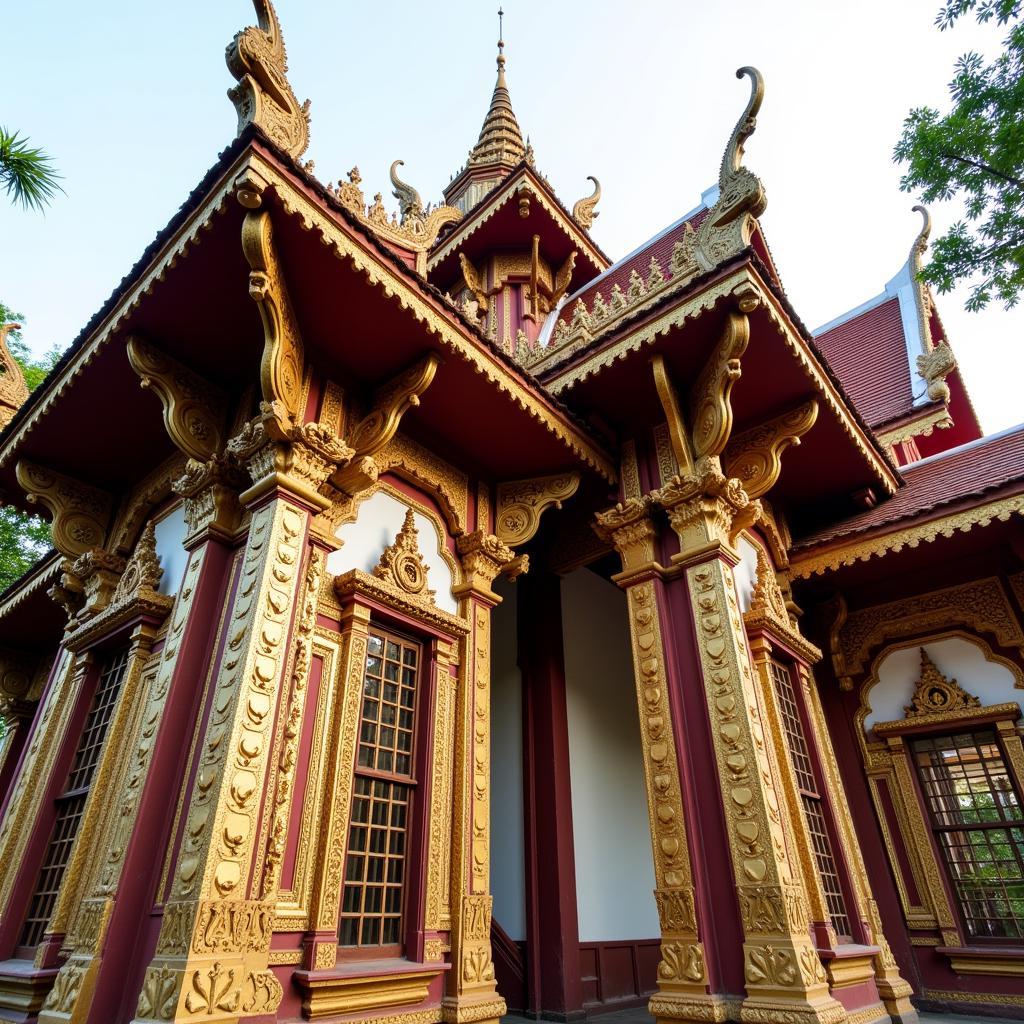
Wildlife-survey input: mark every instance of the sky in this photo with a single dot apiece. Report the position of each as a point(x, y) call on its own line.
point(129, 98)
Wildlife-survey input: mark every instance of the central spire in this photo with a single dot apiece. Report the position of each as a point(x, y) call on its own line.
point(498, 149)
point(500, 141)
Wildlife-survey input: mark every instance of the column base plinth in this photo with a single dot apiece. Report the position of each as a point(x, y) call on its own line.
point(676, 1006)
point(778, 1011)
point(489, 1008)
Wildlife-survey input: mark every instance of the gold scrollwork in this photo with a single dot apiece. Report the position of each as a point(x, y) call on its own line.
point(521, 503)
point(81, 513)
point(755, 456)
point(193, 408)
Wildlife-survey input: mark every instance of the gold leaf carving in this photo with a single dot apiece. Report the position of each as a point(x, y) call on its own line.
point(80, 512)
point(283, 362)
point(263, 96)
point(193, 408)
point(521, 503)
point(755, 456)
point(583, 211)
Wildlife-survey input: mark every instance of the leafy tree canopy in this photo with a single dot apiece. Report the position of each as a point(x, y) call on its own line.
point(23, 538)
point(976, 152)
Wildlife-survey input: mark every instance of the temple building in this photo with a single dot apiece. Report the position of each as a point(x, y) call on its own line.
point(447, 620)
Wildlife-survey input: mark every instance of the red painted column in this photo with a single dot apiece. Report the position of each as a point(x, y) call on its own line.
point(126, 947)
point(553, 954)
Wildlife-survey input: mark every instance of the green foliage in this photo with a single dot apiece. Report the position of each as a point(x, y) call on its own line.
point(27, 173)
point(976, 152)
point(23, 538)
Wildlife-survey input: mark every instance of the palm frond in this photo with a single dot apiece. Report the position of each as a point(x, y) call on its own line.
point(27, 173)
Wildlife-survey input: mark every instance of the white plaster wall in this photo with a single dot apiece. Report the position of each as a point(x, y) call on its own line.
point(508, 864)
point(745, 572)
point(956, 658)
point(377, 523)
point(170, 540)
point(614, 866)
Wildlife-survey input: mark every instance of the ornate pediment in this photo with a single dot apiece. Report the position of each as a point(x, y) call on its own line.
point(935, 694)
point(402, 564)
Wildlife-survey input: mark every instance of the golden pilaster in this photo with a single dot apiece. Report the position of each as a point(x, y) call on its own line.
point(784, 976)
point(211, 960)
point(682, 977)
point(472, 993)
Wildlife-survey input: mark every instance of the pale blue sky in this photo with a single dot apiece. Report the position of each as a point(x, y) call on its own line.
point(130, 99)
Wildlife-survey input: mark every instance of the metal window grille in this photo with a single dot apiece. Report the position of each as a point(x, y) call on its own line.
point(71, 802)
point(810, 797)
point(978, 824)
point(375, 865)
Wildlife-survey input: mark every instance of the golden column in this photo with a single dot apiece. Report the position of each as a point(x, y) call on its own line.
point(472, 993)
point(682, 974)
point(784, 976)
point(211, 960)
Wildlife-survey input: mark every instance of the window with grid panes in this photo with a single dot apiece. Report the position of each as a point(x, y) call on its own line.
point(71, 802)
point(976, 816)
point(383, 789)
point(810, 798)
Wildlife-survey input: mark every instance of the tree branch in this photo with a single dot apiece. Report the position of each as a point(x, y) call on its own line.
point(983, 167)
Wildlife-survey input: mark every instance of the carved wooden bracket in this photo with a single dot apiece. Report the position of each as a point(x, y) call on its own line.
point(283, 361)
point(711, 407)
point(390, 403)
point(193, 408)
point(521, 503)
point(81, 513)
point(755, 456)
point(677, 432)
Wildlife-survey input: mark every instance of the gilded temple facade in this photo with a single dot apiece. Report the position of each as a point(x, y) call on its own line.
point(470, 623)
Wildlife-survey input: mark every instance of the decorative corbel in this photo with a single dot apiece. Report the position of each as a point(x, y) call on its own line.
point(583, 211)
point(263, 96)
point(377, 428)
point(193, 408)
point(80, 512)
point(677, 433)
point(711, 405)
point(755, 456)
point(563, 278)
point(282, 366)
point(13, 390)
point(521, 503)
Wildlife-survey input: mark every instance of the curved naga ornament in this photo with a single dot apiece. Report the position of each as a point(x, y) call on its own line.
point(410, 205)
point(741, 198)
point(263, 96)
point(936, 361)
point(583, 211)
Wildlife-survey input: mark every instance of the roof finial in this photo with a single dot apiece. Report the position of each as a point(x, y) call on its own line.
point(501, 44)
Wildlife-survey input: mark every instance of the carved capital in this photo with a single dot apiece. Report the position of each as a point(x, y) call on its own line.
point(628, 527)
point(484, 557)
point(521, 503)
point(193, 408)
point(755, 456)
point(706, 511)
